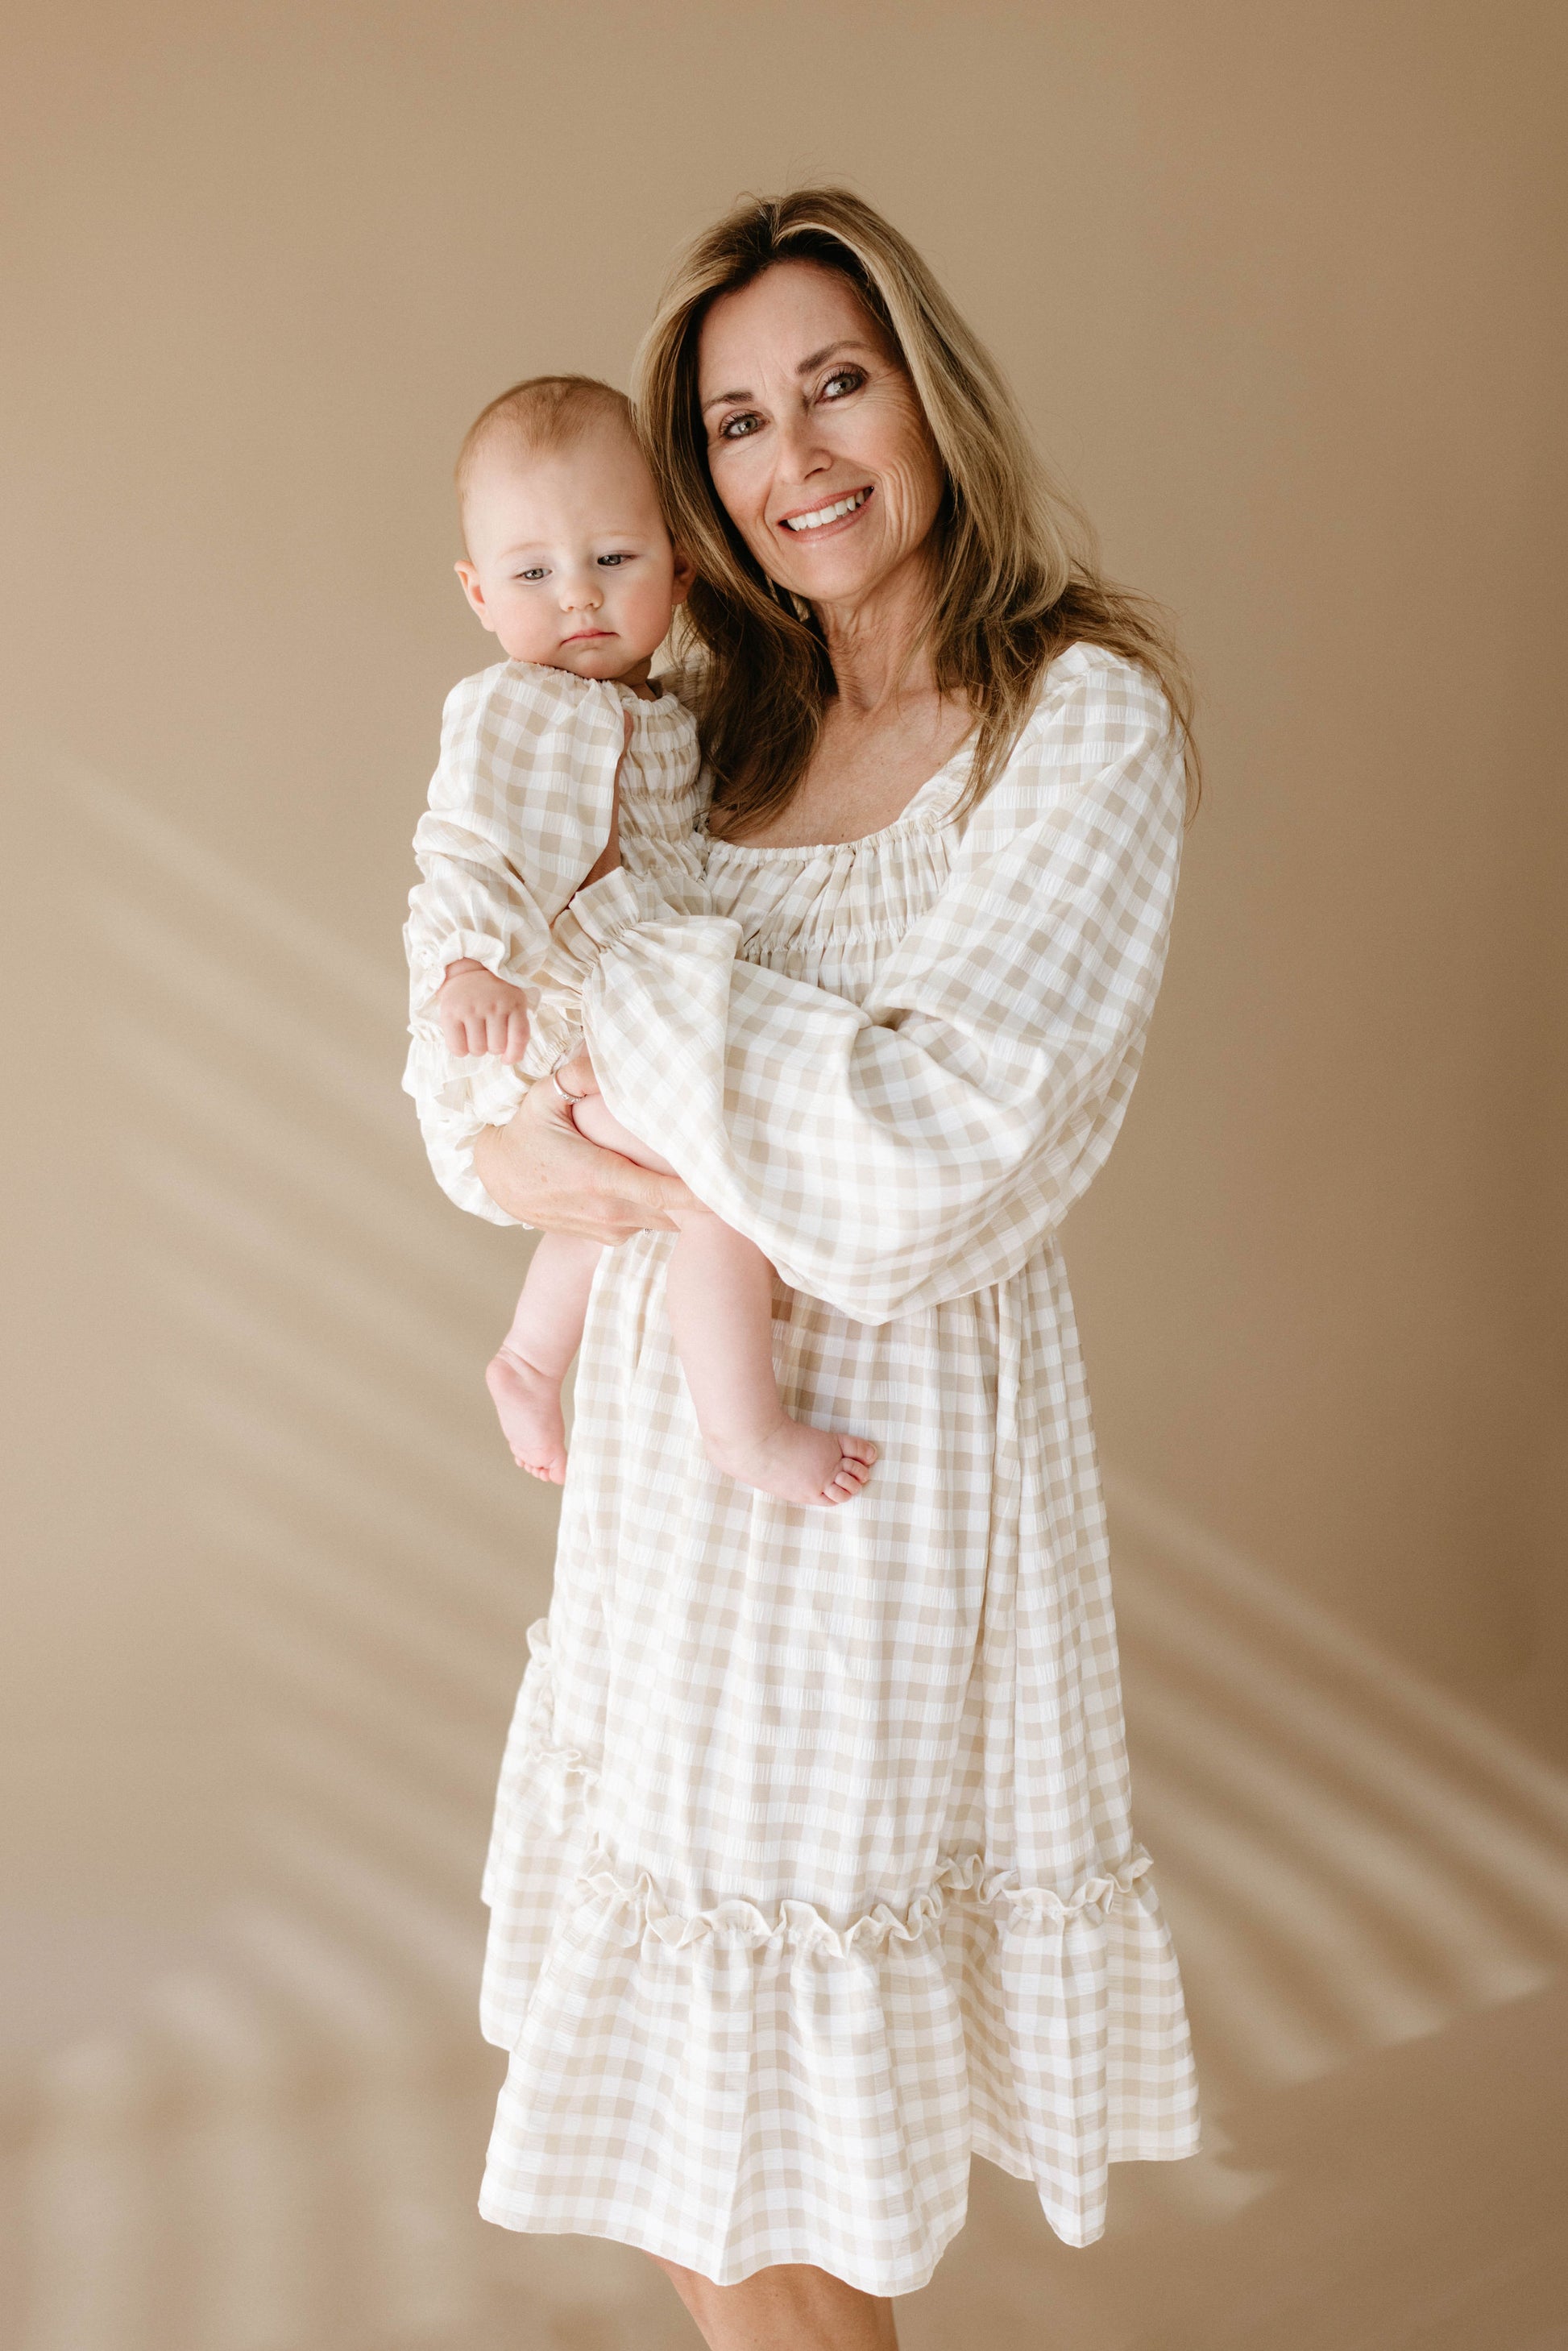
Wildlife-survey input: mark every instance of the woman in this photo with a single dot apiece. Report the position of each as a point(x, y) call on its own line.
point(813, 1871)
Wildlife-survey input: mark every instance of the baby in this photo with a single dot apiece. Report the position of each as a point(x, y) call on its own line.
point(552, 764)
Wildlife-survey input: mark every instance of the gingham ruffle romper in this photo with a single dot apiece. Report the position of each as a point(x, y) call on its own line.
point(813, 1871)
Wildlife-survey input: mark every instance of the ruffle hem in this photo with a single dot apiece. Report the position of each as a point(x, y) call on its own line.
point(732, 2087)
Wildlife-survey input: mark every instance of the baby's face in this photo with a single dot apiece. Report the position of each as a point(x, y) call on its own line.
point(569, 562)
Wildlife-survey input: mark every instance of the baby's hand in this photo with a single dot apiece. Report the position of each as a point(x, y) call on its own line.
point(481, 1014)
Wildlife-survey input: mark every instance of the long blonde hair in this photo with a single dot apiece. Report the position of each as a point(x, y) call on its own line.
point(1016, 579)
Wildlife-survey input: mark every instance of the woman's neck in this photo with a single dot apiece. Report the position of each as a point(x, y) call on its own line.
point(876, 645)
point(884, 732)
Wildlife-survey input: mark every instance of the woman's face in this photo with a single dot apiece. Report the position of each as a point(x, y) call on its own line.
point(816, 442)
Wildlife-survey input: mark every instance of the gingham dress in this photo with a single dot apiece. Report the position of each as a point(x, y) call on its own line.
point(813, 1871)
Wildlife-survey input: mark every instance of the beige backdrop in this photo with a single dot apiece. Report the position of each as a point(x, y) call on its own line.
point(1277, 288)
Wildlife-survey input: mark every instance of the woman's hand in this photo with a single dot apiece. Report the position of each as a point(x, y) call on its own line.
point(541, 1171)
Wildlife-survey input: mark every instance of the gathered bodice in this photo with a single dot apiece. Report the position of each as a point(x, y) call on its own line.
point(830, 912)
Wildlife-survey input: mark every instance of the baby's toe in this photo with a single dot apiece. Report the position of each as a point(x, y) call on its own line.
point(549, 1473)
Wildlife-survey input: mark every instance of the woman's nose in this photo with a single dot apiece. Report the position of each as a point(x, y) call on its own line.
point(800, 450)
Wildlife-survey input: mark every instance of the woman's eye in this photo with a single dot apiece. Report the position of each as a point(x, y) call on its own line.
point(849, 379)
point(739, 428)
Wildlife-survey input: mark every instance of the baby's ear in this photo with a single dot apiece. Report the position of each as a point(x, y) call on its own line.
point(684, 576)
point(472, 591)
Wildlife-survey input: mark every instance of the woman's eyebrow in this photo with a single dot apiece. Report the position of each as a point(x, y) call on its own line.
point(844, 343)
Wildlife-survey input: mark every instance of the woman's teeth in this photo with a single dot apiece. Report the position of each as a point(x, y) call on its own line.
point(821, 515)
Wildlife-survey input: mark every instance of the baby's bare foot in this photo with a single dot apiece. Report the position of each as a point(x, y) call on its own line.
point(528, 1403)
point(797, 1464)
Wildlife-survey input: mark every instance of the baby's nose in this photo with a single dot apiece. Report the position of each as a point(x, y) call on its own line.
point(580, 595)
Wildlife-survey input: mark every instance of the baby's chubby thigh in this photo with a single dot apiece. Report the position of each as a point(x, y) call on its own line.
point(593, 1118)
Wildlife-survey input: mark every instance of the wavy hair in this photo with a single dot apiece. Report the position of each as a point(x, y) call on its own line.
point(1016, 578)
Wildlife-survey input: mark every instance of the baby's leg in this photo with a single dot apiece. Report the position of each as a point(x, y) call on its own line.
point(720, 1293)
point(524, 1377)
point(593, 1117)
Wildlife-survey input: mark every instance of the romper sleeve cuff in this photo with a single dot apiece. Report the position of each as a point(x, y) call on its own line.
point(480, 1088)
point(429, 961)
point(450, 1136)
point(456, 1100)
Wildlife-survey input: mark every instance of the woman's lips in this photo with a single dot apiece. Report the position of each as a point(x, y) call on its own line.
point(836, 515)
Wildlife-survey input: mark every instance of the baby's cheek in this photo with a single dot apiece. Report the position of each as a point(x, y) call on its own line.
point(647, 613)
point(524, 635)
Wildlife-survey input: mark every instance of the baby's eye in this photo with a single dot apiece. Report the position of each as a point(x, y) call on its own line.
point(535, 571)
point(614, 558)
point(851, 379)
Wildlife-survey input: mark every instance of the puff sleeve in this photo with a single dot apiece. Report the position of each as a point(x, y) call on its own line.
point(924, 1146)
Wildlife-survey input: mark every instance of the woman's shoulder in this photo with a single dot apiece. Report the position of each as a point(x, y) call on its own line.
point(1093, 707)
point(1100, 728)
point(1088, 683)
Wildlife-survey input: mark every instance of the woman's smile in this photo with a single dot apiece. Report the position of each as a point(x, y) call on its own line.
point(831, 515)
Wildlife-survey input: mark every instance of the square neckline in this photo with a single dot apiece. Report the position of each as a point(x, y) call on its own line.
point(913, 816)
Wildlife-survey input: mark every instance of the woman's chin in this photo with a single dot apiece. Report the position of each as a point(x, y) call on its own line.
point(842, 572)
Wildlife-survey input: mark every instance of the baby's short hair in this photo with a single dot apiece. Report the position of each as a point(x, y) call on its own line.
point(546, 411)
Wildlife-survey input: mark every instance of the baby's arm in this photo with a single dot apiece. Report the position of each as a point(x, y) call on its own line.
point(520, 808)
point(479, 1012)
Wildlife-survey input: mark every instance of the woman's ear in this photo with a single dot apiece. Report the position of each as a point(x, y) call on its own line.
point(475, 593)
point(683, 580)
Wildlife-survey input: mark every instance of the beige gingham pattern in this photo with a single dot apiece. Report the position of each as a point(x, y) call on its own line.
point(519, 808)
point(813, 1872)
